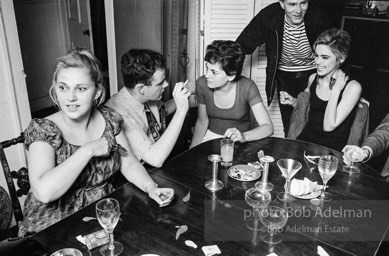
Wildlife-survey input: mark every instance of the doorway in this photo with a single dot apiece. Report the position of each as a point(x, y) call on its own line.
point(48, 30)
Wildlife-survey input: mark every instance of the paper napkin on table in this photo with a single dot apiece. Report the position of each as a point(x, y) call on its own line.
point(302, 187)
point(211, 250)
point(321, 251)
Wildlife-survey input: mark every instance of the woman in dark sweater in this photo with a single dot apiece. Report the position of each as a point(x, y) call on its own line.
point(333, 96)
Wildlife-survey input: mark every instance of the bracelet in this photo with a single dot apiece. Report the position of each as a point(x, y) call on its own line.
point(148, 184)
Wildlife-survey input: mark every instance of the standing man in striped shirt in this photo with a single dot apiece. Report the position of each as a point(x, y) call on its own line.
point(288, 29)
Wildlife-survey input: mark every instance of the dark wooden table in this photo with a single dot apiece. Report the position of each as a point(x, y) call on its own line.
point(218, 218)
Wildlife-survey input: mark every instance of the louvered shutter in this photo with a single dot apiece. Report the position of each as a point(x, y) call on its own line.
point(258, 74)
point(225, 20)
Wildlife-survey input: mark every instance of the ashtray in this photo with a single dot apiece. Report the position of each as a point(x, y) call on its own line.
point(67, 252)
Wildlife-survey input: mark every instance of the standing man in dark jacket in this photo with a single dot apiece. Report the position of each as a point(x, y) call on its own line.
point(288, 30)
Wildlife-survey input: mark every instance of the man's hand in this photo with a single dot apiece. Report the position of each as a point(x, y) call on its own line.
point(180, 96)
point(286, 99)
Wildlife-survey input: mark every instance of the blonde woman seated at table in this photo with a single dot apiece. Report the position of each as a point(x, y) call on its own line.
point(225, 98)
point(332, 96)
point(73, 152)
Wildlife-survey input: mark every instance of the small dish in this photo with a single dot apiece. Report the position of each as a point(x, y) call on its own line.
point(313, 194)
point(243, 172)
point(67, 252)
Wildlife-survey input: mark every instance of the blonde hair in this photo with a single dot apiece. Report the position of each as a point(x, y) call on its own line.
point(80, 58)
point(338, 40)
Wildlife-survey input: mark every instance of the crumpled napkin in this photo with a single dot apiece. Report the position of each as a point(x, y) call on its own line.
point(303, 187)
point(321, 251)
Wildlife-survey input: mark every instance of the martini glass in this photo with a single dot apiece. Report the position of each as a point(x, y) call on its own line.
point(273, 218)
point(258, 199)
point(327, 167)
point(288, 167)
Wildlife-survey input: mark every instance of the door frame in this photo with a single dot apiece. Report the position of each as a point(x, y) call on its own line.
point(111, 46)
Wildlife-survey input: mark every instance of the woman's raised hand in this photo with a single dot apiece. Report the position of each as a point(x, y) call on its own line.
point(340, 79)
point(98, 147)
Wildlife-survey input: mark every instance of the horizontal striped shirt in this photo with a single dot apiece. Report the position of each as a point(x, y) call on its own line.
point(297, 54)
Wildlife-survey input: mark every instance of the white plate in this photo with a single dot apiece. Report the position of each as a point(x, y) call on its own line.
point(311, 195)
point(243, 172)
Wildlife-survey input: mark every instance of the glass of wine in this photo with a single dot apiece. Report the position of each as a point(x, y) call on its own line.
point(353, 156)
point(273, 218)
point(327, 167)
point(288, 167)
point(108, 213)
point(256, 198)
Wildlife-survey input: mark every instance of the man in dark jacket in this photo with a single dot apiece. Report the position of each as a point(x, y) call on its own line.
point(288, 30)
point(374, 145)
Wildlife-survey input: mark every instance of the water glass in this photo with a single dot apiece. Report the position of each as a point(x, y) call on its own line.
point(227, 151)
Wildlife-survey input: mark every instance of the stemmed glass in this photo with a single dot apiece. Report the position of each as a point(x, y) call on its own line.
point(288, 167)
point(264, 184)
point(256, 198)
point(327, 167)
point(274, 218)
point(214, 184)
point(108, 213)
point(353, 156)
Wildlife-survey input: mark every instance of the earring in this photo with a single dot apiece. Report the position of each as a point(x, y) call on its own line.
point(95, 102)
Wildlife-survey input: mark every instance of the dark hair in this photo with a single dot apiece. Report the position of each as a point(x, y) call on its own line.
point(139, 65)
point(79, 58)
point(228, 54)
point(338, 40)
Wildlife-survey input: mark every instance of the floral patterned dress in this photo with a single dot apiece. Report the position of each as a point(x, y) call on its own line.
point(92, 183)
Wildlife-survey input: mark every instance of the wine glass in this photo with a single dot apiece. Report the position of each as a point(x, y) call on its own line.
point(288, 167)
point(274, 218)
point(353, 156)
point(256, 198)
point(327, 167)
point(108, 213)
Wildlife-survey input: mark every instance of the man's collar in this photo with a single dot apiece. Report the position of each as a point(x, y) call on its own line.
point(135, 104)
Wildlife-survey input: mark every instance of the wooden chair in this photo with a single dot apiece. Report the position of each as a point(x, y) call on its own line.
point(22, 181)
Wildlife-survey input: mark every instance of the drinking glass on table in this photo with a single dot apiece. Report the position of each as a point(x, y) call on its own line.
point(327, 167)
point(288, 167)
point(258, 199)
point(108, 213)
point(352, 154)
point(226, 151)
point(273, 218)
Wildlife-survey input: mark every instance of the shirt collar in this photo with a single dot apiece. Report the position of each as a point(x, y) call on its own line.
point(135, 105)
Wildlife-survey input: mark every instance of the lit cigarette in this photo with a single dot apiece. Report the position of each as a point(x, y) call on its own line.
point(186, 82)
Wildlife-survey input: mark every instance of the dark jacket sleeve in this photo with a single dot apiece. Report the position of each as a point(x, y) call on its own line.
point(378, 140)
point(299, 117)
point(255, 33)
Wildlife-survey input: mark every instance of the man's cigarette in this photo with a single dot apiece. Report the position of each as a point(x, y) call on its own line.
point(186, 82)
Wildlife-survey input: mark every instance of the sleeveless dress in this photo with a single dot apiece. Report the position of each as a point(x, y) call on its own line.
point(313, 131)
point(90, 185)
